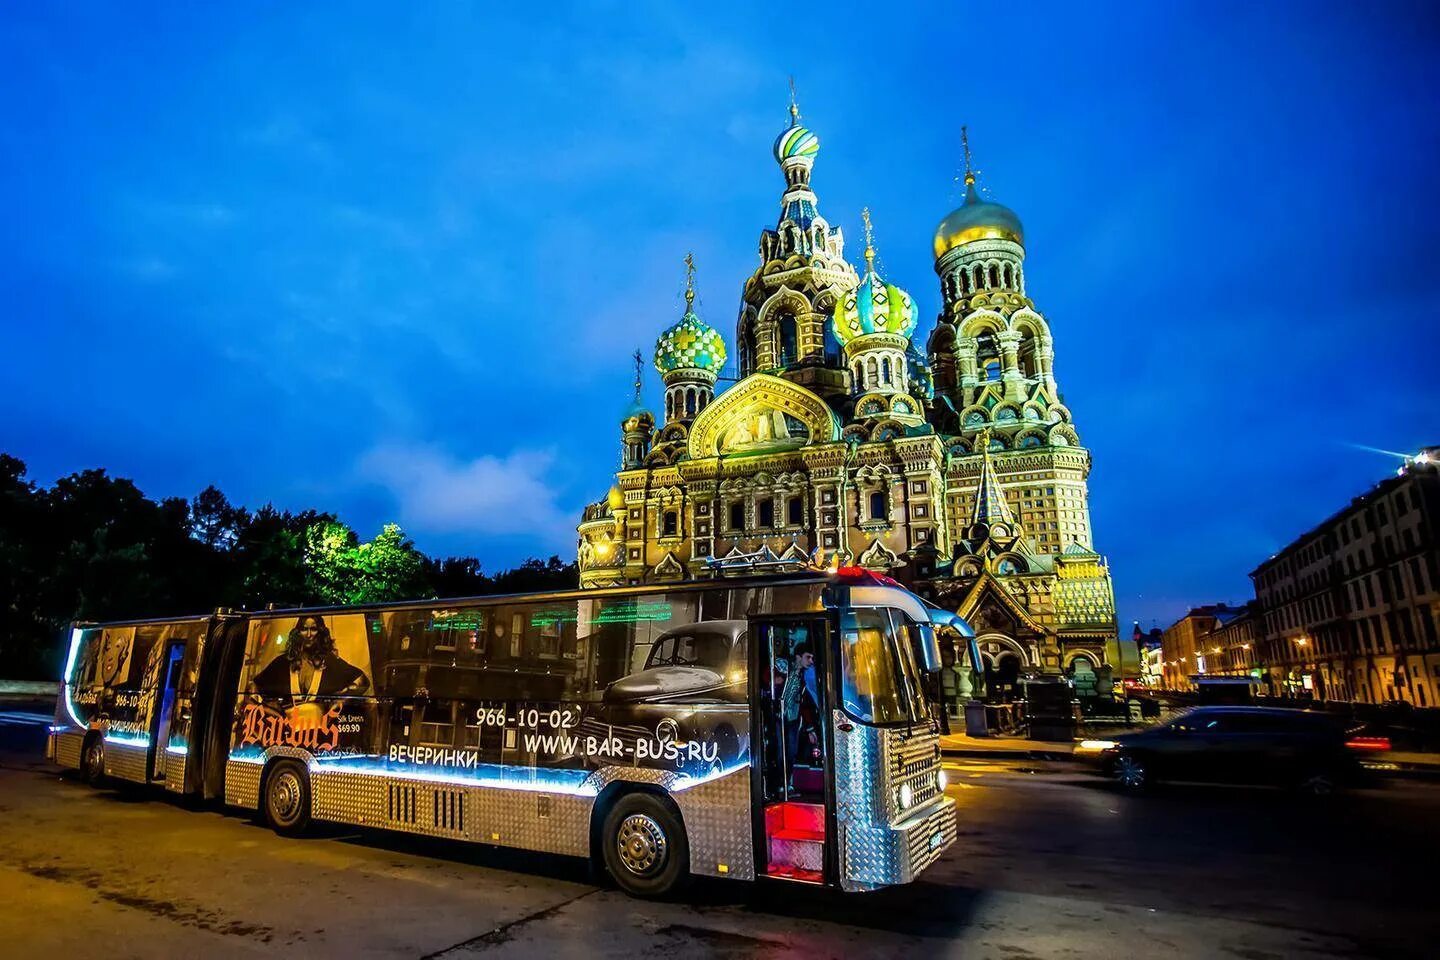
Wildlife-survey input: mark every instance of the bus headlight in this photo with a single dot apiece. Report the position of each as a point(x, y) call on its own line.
point(906, 795)
point(940, 780)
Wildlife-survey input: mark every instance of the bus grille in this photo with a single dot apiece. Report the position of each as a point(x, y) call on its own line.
point(449, 812)
point(402, 804)
point(916, 761)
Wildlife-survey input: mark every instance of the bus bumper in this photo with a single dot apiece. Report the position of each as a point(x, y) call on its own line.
point(889, 854)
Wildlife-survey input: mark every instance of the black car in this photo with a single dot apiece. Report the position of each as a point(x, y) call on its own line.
point(1307, 750)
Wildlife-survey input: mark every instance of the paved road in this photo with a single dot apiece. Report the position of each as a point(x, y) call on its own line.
point(1049, 865)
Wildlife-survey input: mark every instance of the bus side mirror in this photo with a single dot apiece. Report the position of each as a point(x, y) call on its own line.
point(927, 648)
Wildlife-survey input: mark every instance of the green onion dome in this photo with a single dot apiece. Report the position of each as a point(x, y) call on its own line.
point(691, 344)
point(797, 141)
point(873, 307)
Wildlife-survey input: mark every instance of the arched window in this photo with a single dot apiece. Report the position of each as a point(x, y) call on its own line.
point(964, 281)
point(690, 402)
point(979, 279)
point(872, 372)
point(1005, 273)
point(789, 342)
point(1028, 356)
point(832, 344)
point(737, 515)
point(879, 507)
point(885, 370)
point(974, 419)
point(746, 346)
point(859, 383)
point(994, 275)
point(669, 406)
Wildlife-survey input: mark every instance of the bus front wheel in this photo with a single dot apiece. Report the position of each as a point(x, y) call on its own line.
point(285, 798)
point(645, 848)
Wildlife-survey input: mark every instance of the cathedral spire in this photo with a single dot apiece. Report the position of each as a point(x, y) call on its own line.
point(639, 368)
point(869, 240)
point(969, 166)
point(990, 506)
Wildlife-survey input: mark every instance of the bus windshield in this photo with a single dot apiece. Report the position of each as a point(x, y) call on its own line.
point(880, 682)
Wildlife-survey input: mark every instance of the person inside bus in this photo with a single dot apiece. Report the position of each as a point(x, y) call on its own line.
point(798, 704)
point(309, 669)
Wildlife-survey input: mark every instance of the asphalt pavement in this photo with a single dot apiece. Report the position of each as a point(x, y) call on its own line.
point(1051, 863)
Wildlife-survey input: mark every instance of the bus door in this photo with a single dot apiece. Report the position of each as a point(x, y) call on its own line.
point(794, 821)
point(169, 685)
point(212, 710)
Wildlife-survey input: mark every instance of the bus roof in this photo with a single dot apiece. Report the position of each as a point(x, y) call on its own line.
point(495, 599)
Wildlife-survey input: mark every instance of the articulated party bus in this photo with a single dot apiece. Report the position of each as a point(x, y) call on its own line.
point(735, 728)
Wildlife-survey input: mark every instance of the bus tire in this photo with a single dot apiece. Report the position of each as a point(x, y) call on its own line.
point(92, 761)
point(285, 798)
point(644, 846)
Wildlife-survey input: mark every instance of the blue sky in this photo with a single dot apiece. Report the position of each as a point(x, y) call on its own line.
point(392, 260)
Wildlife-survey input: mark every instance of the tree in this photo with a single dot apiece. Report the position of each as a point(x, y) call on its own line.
point(94, 547)
point(213, 521)
point(387, 568)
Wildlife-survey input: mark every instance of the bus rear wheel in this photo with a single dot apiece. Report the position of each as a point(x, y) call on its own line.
point(285, 798)
point(645, 847)
point(92, 762)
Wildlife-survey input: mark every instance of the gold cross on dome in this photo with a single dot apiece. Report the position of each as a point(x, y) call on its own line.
point(794, 103)
point(639, 366)
point(689, 279)
point(965, 145)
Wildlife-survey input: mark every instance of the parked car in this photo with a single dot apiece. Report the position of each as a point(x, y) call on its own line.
point(1308, 750)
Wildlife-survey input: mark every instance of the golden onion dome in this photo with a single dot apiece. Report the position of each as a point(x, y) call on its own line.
point(615, 498)
point(977, 219)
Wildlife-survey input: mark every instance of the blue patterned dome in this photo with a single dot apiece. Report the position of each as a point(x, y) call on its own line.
point(692, 344)
point(873, 307)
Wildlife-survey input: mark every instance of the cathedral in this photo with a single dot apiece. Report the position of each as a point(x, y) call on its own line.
point(954, 467)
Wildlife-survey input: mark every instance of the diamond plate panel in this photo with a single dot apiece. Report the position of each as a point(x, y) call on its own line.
point(718, 825)
point(175, 764)
point(125, 761)
point(67, 749)
point(242, 783)
point(879, 843)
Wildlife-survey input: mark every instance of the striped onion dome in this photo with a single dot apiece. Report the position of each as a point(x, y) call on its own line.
point(797, 141)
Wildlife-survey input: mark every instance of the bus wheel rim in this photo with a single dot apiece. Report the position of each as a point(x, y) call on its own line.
point(285, 796)
point(641, 845)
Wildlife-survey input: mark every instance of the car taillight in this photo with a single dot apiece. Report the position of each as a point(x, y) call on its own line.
point(1368, 743)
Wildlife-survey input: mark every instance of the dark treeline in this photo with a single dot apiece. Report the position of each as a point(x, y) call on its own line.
point(93, 547)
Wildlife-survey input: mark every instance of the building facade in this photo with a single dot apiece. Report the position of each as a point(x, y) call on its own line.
point(954, 467)
point(1214, 640)
point(1350, 607)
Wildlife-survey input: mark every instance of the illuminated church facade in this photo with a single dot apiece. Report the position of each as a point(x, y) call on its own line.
point(953, 465)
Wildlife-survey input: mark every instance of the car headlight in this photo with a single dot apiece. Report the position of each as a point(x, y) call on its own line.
point(1095, 746)
point(906, 795)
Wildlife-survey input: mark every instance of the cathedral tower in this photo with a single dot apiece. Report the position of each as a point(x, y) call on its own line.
point(787, 302)
point(689, 356)
point(873, 325)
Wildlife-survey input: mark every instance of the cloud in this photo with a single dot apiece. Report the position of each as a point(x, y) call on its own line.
point(497, 496)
